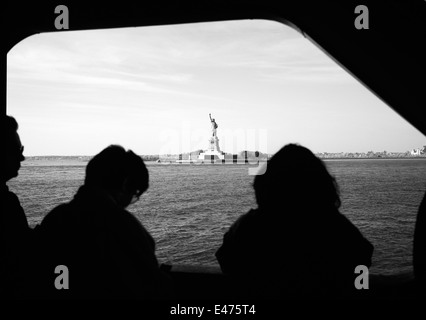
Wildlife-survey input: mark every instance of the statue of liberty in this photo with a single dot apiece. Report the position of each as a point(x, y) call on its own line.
point(214, 125)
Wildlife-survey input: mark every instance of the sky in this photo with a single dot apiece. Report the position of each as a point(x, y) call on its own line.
point(151, 89)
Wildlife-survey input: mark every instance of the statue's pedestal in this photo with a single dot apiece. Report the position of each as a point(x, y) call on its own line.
point(213, 152)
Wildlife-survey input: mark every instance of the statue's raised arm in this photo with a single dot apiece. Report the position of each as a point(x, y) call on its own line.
point(214, 125)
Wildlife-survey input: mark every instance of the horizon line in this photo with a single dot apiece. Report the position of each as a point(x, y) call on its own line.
point(265, 153)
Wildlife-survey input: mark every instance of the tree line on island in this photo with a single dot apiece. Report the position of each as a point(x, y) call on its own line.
point(421, 152)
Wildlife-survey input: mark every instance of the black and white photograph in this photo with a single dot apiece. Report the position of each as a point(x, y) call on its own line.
point(213, 155)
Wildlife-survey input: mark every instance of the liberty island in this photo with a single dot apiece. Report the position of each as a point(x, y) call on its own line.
point(214, 155)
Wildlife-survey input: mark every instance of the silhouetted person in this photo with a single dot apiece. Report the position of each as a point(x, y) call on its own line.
point(419, 249)
point(15, 231)
point(108, 252)
point(296, 243)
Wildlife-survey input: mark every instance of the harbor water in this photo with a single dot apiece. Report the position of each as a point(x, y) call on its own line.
point(188, 208)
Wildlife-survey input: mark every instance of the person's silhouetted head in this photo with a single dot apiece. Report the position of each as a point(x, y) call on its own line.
point(121, 173)
point(13, 149)
point(295, 177)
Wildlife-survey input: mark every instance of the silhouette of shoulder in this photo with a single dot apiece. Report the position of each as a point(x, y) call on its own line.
point(13, 215)
point(246, 238)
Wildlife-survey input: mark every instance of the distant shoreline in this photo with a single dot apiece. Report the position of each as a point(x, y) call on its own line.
point(170, 158)
point(375, 158)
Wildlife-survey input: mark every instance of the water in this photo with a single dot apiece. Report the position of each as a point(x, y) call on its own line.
point(188, 208)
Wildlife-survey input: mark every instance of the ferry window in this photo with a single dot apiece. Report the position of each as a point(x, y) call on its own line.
point(151, 89)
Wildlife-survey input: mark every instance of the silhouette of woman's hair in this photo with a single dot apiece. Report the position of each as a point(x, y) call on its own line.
point(296, 177)
point(113, 165)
